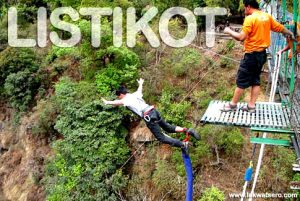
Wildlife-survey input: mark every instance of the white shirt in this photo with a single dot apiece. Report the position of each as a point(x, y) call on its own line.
point(135, 102)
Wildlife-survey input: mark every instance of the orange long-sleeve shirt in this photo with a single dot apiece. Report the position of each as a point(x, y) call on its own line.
point(258, 27)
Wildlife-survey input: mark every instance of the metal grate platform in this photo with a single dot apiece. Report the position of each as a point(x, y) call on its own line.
point(267, 115)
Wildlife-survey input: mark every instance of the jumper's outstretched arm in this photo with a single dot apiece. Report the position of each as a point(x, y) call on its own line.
point(141, 82)
point(114, 102)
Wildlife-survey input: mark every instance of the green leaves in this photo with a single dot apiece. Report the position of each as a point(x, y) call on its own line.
point(225, 138)
point(121, 67)
point(93, 148)
point(173, 112)
point(212, 194)
point(13, 60)
point(17, 76)
point(21, 87)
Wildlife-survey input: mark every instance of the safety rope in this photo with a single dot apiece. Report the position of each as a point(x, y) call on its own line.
point(215, 53)
point(132, 155)
point(249, 171)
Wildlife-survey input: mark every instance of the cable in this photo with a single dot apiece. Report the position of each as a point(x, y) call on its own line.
point(208, 50)
point(132, 155)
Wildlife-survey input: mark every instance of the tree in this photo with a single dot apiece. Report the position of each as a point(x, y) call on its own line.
point(21, 88)
point(13, 60)
point(120, 67)
point(94, 147)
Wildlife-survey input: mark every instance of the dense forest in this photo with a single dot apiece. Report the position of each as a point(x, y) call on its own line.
point(81, 145)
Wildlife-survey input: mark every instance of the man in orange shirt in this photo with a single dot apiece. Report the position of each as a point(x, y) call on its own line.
point(256, 34)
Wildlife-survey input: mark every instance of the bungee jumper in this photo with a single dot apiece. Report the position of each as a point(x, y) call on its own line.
point(256, 36)
point(154, 121)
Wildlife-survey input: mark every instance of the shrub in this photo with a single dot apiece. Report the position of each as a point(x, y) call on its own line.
point(121, 68)
point(296, 178)
point(165, 178)
point(281, 163)
point(178, 163)
point(21, 88)
point(201, 153)
point(227, 139)
point(94, 147)
point(212, 194)
point(182, 61)
point(226, 48)
point(57, 52)
point(226, 63)
point(44, 126)
point(3, 33)
point(233, 141)
point(13, 60)
point(203, 98)
point(175, 113)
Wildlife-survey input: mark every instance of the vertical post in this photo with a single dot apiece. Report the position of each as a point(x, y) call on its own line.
point(283, 10)
point(285, 53)
point(292, 82)
point(262, 148)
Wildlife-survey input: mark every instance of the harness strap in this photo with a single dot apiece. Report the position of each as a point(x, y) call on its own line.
point(187, 137)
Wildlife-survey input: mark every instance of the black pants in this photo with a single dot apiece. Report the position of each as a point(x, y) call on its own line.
point(250, 69)
point(156, 123)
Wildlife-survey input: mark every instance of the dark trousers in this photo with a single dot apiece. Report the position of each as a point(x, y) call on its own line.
point(250, 69)
point(156, 123)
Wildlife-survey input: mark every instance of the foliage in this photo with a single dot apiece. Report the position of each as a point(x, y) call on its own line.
point(57, 52)
point(13, 60)
point(225, 50)
point(203, 98)
point(27, 9)
point(162, 5)
point(3, 33)
point(91, 63)
point(296, 178)
point(225, 138)
point(232, 5)
point(44, 126)
point(17, 76)
point(177, 162)
point(226, 63)
point(94, 147)
point(185, 60)
point(165, 179)
point(121, 67)
point(173, 112)
point(182, 61)
point(281, 163)
point(201, 153)
point(212, 194)
point(230, 45)
point(21, 88)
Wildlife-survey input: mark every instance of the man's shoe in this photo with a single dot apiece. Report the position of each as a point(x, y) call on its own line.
point(193, 133)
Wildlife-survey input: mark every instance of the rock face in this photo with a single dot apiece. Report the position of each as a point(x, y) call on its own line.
point(142, 134)
point(22, 159)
